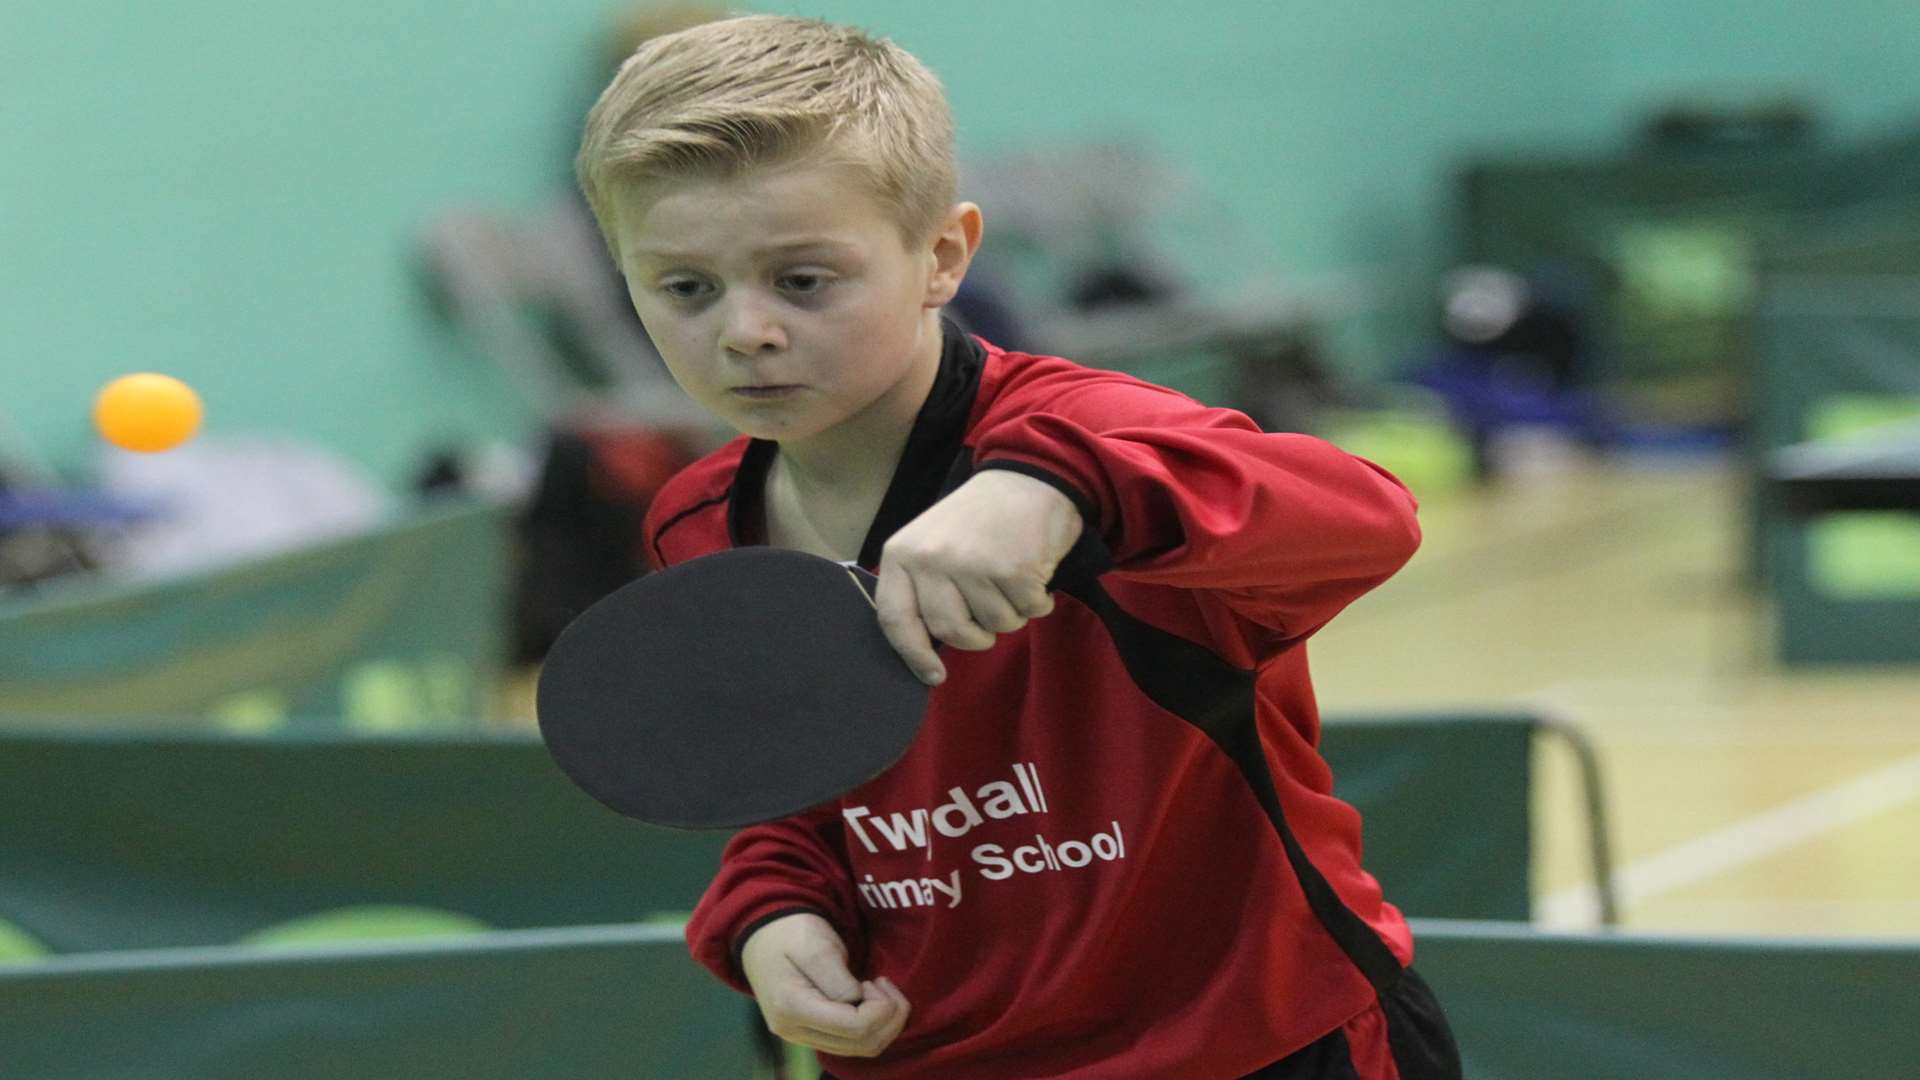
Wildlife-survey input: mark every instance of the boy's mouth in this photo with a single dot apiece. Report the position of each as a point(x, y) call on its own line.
point(764, 393)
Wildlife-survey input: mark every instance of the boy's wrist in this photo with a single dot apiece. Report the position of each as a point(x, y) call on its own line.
point(1089, 511)
point(761, 922)
point(1091, 554)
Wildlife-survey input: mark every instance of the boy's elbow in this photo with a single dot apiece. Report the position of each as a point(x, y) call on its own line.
point(1389, 546)
point(1409, 518)
point(1399, 525)
point(1406, 539)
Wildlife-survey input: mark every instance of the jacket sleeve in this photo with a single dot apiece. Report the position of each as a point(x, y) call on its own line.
point(766, 871)
point(1285, 529)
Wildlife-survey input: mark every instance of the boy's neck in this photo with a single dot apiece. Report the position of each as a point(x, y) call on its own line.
point(830, 485)
point(861, 451)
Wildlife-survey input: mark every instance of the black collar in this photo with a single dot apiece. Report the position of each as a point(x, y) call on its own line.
point(934, 462)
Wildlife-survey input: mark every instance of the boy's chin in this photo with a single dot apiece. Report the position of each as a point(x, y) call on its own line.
point(772, 429)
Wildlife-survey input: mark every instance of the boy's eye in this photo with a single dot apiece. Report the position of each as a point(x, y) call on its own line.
point(684, 288)
point(803, 282)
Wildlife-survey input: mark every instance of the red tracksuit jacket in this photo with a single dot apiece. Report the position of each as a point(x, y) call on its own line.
point(1113, 850)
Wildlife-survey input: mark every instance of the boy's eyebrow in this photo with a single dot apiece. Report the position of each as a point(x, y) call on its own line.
point(788, 247)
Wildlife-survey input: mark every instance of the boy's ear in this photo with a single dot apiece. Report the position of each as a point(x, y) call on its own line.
point(954, 243)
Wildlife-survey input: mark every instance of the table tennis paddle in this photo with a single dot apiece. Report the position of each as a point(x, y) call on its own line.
point(731, 689)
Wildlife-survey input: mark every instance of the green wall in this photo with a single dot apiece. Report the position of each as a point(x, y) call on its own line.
point(227, 191)
point(1854, 58)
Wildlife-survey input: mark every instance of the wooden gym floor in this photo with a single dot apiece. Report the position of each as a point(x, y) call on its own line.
point(1744, 797)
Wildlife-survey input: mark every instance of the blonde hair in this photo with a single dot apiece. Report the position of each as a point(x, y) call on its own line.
point(718, 99)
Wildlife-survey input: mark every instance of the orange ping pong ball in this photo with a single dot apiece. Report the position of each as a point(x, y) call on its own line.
point(147, 412)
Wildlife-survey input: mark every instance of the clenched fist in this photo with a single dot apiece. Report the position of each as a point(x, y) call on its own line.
point(973, 566)
point(797, 967)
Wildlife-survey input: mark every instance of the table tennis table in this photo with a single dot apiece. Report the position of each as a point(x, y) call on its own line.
point(1880, 471)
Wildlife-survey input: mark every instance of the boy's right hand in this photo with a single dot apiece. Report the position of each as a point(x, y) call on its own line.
point(797, 967)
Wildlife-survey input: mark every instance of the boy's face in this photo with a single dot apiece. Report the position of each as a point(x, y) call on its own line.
point(784, 301)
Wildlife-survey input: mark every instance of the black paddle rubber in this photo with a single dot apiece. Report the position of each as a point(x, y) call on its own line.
point(730, 689)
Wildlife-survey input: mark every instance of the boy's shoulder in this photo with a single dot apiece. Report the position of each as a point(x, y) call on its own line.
point(1015, 383)
point(701, 489)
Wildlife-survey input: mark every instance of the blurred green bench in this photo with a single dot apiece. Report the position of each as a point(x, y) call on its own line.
point(579, 1003)
point(144, 840)
point(1528, 1004)
point(587, 1003)
point(400, 629)
point(150, 841)
point(149, 863)
point(1447, 802)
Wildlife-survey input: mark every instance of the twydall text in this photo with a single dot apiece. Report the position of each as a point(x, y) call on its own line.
point(998, 800)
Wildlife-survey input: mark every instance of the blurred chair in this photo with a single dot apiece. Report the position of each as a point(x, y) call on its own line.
point(1090, 256)
point(540, 299)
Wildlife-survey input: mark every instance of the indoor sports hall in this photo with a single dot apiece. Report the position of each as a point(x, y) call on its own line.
point(1626, 294)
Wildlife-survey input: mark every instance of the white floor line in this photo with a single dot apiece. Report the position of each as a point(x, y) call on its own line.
point(1743, 842)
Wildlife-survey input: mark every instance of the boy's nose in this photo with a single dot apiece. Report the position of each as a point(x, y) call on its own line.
point(749, 329)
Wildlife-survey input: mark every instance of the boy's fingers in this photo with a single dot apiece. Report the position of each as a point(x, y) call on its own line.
point(947, 615)
point(827, 971)
point(1030, 598)
point(881, 1016)
point(842, 1046)
point(902, 1011)
point(857, 1031)
point(899, 612)
point(826, 1043)
point(989, 606)
point(876, 1012)
point(803, 1007)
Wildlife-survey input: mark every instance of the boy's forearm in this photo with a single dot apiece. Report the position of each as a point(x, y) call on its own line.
point(1223, 507)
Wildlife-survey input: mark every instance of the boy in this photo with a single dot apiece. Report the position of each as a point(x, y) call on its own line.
point(1112, 851)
